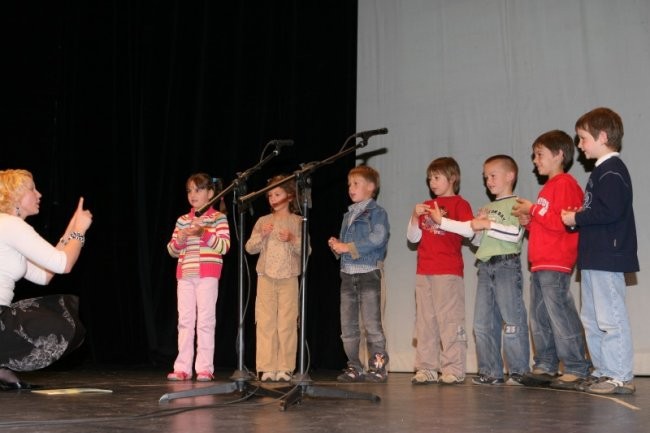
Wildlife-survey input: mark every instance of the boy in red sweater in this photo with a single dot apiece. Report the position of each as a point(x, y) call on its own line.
point(552, 252)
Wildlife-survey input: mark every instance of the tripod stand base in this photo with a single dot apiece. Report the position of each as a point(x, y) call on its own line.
point(240, 385)
point(295, 395)
point(303, 387)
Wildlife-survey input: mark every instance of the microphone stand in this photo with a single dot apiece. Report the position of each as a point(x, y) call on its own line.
point(303, 384)
point(241, 377)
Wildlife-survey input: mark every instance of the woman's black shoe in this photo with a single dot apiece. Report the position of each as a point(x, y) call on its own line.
point(13, 386)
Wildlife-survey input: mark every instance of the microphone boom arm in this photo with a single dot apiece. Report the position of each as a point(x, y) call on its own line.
point(241, 177)
point(304, 170)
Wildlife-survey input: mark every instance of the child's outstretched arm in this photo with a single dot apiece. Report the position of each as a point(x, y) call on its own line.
point(522, 211)
point(413, 230)
point(462, 228)
point(504, 232)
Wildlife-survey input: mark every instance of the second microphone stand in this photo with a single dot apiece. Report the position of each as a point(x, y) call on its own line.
point(301, 381)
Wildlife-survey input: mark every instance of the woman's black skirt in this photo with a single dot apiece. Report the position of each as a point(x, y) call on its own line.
point(36, 332)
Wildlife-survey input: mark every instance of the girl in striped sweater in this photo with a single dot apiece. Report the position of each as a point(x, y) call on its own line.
point(199, 241)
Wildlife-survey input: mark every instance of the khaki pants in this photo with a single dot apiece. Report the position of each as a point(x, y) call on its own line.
point(440, 324)
point(276, 317)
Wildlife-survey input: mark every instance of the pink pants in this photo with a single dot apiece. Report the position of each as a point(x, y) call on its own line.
point(197, 301)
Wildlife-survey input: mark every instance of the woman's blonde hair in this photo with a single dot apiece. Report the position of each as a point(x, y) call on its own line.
point(13, 184)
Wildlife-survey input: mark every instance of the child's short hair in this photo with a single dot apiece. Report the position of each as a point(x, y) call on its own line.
point(507, 162)
point(289, 187)
point(556, 141)
point(369, 174)
point(606, 120)
point(448, 167)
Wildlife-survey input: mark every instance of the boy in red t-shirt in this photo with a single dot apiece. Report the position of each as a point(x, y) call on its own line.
point(439, 287)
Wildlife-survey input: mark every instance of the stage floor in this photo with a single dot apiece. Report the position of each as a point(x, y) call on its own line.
point(142, 400)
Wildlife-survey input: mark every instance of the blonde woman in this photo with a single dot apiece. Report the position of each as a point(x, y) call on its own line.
point(49, 325)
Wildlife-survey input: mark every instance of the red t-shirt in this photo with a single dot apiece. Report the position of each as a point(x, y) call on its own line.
point(439, 252)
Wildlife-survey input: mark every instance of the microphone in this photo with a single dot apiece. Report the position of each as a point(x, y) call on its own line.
point(367, 134)
point(281, 143)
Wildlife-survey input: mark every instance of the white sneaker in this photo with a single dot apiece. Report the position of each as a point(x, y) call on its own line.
point(268, 376)
point(283, 376)
point(424, 376)
point(451, 379)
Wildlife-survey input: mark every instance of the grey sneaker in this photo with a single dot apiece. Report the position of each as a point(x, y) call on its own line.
point(586, 383)
point(607, 385)
point(487, 380)
point(424, 376)
point(351, 374)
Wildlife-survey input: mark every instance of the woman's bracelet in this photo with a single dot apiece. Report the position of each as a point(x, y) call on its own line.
point(74, 235)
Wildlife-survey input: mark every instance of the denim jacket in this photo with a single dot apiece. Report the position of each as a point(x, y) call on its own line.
point(367, 236)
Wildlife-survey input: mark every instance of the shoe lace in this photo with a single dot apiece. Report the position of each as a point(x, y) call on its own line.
point(351, 371)
point(379, 361)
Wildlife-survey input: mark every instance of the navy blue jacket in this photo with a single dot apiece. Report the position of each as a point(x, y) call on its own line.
point(607, 240)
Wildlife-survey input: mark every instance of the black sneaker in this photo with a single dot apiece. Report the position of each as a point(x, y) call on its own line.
point(487, 380)
point(537, 378)
point(515, 379)
point(377, 368)
point(567, 381)
point(351, 374)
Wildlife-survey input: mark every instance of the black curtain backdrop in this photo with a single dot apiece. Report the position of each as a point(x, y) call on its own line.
point(120, 101)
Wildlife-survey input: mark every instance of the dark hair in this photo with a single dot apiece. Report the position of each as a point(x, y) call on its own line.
point(557, 141)
point(289, 187)
point(205, 181)
point(606, 120)
point(448, 167)
point(369, 174)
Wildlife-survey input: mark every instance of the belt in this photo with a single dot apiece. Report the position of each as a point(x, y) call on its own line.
point(503, 257)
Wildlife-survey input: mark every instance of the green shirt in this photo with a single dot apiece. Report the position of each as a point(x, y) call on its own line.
point(505, 236)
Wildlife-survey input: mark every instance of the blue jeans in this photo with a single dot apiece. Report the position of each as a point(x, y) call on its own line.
point(607, 326)
point(500, 310)
point(361, 293)
point(555, 324)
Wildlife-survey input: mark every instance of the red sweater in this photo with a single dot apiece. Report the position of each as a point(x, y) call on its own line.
point(551, 245)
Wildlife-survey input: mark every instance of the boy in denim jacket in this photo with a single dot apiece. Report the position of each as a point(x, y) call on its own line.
point(361, 248)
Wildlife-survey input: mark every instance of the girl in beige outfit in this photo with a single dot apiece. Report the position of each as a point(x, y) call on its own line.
point(276, 237)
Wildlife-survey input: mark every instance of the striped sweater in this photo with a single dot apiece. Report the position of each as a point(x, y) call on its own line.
point(201, 256)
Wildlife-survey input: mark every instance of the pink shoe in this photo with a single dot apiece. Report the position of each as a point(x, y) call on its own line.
point(179, 375)
point(204, 376)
